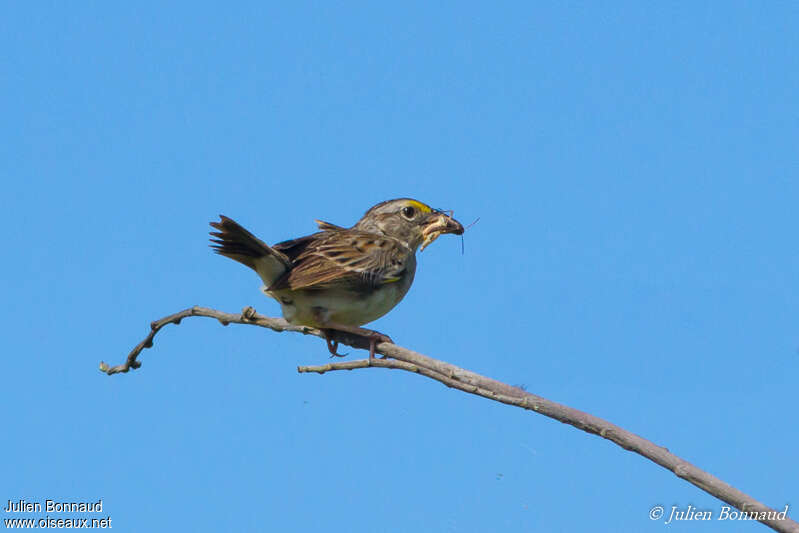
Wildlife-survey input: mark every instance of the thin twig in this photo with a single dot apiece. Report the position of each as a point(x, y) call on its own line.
point(473, 383)
point(247, 316)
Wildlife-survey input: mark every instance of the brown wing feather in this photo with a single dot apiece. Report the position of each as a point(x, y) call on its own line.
point(295, 247)
point(327, 226)
point(357, 260)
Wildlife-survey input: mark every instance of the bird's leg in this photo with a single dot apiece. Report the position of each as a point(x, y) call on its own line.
point(332, 345)
point(373, 336)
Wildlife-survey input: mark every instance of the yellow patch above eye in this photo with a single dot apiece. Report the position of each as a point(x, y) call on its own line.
point(420, 206)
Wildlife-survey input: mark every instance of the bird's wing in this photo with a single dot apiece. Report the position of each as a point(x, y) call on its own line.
point(346, 259)
point(327, 226)
point(295, 247)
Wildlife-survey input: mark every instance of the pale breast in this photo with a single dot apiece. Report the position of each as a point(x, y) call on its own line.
point(317, 307)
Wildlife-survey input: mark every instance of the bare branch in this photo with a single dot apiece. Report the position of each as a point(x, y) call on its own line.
point(247, 316)
point(467, 381)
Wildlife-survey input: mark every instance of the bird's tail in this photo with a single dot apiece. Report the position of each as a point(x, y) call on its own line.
point(235, 242)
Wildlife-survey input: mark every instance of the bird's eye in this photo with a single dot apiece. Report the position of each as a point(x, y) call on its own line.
point(408, 212)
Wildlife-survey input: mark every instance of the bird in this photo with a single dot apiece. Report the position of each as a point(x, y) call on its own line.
point(339, 278)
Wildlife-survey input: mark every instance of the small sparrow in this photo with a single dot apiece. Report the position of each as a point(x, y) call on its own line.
point(341, 278)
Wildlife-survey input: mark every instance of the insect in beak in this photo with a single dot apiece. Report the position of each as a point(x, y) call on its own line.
point(441, 222)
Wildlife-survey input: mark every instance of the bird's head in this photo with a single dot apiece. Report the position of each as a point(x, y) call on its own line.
point(410, 221)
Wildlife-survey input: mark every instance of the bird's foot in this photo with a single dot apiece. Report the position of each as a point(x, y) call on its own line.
point(374, 338)
point(332, 345)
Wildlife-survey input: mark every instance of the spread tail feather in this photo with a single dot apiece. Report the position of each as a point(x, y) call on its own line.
point(235, 242)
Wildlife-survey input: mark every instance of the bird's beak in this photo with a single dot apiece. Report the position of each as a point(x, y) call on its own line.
point(438, 223)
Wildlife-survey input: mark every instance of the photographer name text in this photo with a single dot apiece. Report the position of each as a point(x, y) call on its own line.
point(677, 514)
point(52, 506)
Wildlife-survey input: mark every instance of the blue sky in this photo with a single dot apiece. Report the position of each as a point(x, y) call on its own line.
point(634, 168)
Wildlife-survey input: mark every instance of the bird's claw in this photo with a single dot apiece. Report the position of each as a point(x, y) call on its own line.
point(332, 347)
point(374, 338)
